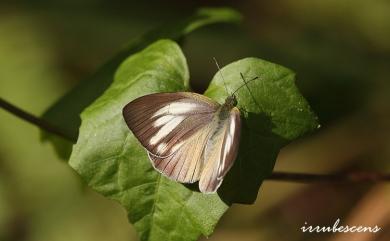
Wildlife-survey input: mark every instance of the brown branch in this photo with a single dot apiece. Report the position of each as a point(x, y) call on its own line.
point(355, 176)
point(39, 122)
point(275, 176)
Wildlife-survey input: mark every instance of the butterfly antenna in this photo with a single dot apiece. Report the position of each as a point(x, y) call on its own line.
point(220, 72)
point(250, 92)
point(245, 83)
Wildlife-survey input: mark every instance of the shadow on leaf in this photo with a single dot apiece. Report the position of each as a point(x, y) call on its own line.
point(259, 147)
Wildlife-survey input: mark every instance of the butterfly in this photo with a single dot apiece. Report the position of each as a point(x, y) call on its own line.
point(188, 137)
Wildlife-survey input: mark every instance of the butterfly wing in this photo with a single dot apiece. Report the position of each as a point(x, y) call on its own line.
point(185, 165)
point(220, 152)
point(163, 121)
point(174, 128)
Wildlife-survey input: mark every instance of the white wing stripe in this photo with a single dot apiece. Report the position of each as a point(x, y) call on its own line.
point(165, 130)
point(163, 120)
point(228, 144)
point(161, 147)
point(176, 108)
point(232, 126)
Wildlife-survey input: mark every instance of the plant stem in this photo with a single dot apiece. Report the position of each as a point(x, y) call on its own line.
point(362, 176)
point(39, 122)
point(353, 176)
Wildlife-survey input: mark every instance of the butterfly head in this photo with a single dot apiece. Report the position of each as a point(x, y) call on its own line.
point(230, 102)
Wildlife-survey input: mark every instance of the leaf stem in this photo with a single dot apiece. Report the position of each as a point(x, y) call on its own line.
point(39, 122)
point(360, 176)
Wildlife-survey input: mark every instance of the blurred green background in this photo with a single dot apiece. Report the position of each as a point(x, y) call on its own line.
point(340, 51)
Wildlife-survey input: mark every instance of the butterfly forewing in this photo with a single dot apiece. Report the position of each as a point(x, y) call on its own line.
point(163, 121)
point(221, 152)
point(186, 164)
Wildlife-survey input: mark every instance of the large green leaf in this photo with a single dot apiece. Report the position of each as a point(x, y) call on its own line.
point(113, 163)
point(65, 113)
point(273, 112)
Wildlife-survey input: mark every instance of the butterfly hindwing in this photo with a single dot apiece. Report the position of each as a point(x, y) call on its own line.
point(221, 152)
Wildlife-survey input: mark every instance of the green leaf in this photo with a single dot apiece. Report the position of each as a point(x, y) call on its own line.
point(113, 163)
point(273, 113)
point(65, 113)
